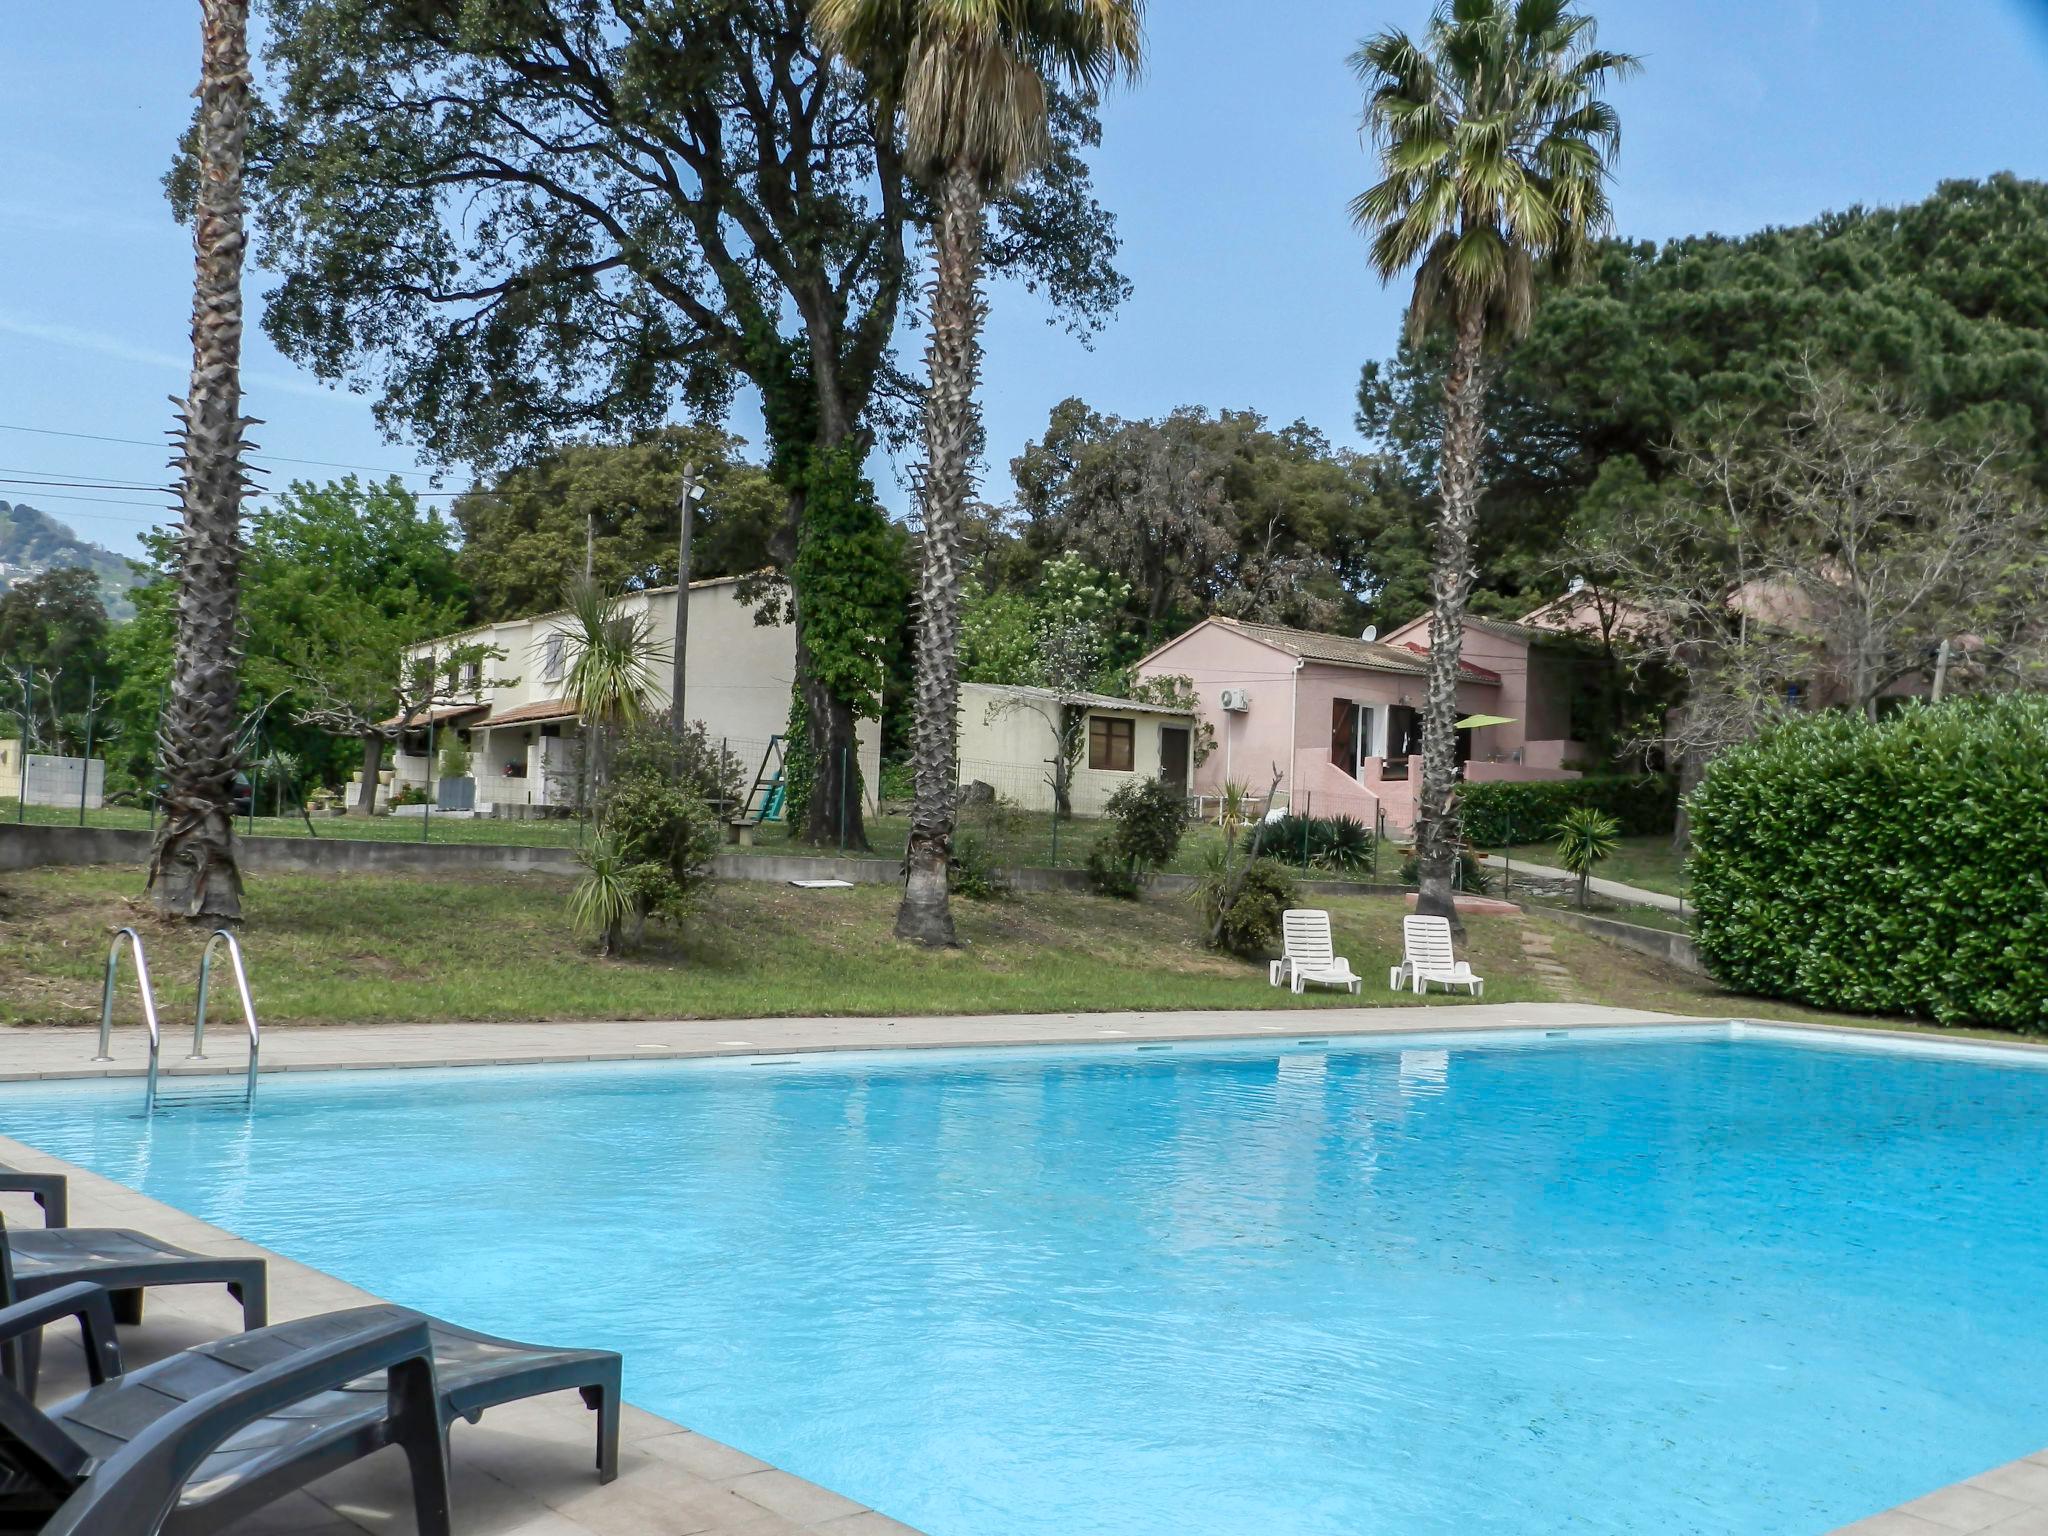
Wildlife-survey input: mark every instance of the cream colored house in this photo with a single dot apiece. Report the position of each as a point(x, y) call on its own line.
point(1009, 738)
point(525, 740)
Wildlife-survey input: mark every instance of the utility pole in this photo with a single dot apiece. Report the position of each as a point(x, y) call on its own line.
point(679, 721)
point(589, 543)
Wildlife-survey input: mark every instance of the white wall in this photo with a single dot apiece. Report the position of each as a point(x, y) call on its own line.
point(1009, 747)
point(738, 676)
point(55, 780)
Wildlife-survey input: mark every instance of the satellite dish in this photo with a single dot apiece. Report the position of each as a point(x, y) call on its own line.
point(1372, 632)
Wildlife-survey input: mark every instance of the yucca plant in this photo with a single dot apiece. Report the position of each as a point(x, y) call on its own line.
point(603, 905)
point(1586, 839)
point(611, 653)
point(1494, 147)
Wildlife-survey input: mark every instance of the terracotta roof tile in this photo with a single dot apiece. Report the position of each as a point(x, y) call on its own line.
point(1412, 661)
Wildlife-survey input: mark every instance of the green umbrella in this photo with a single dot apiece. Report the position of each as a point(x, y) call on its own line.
point(1474, 722)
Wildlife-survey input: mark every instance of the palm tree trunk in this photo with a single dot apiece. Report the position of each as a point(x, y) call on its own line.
point(192, 868)
point(1436, 832)
point(951, 424)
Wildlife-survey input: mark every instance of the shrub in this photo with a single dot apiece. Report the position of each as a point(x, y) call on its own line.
point(974, 872)
point(1895, 867)
point(652, 854)
point(1147, 818)
point(1242, 903)
point(649, 748)
point(1324, 842)
point(1473, 876)
point(1111, 875)
point(1496, 814)
point(455, 760)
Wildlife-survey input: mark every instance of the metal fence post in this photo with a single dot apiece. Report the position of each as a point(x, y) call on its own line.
point(28, 683)
point(427, 810)
point(845, 765)
point(85, 762)
point(1507, 858)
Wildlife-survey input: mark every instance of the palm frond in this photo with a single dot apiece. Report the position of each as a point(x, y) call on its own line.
point(1494, 148)
point(971, 76)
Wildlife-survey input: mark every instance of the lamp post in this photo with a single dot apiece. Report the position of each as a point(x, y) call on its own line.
point(679, 720)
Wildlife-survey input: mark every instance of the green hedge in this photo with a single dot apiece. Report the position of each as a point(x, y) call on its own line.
point(1891, 868)
point(1496, 814)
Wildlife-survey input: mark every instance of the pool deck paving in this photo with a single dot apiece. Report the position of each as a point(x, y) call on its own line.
point(526, 1469)
point(34, 1051)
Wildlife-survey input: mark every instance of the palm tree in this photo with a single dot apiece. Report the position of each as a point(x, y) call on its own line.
point(192, 868)
point(611, 653)
point(969, 78)
point(1495, 148)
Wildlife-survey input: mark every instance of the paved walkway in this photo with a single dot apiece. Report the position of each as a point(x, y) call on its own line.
point(1614, 888)
point(67, 1052)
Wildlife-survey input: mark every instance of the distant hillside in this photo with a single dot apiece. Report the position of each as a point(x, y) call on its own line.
point(33, 542)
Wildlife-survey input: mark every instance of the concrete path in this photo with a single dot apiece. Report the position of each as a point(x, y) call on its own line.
point(1614, 888)
point(41, 1051)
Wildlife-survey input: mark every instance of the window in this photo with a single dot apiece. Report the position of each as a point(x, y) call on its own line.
point(1112, 744)
point(551, 658)
point(472, 676)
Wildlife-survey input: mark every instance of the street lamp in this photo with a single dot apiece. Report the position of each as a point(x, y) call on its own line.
point(692, 494)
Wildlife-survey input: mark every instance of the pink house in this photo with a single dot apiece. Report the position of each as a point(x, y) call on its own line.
point(1338, 719)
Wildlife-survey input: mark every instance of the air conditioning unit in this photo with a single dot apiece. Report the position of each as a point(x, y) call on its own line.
point(1236, 700)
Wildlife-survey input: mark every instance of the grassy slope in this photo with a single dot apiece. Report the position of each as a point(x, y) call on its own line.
point(370, 948)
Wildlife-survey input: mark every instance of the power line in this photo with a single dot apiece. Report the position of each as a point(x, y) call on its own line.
point(137, 442)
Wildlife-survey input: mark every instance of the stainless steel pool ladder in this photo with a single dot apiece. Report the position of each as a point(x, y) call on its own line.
point(218, 937)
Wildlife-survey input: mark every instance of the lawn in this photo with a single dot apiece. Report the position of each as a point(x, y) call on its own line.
point(367, 948)
point(1644, 861)
point(394, 948)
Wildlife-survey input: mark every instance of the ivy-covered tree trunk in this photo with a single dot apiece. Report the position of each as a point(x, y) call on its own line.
point(950, 427)
point(1436, 831)
point(832, 810)
point(192, 868)
point(847, 572)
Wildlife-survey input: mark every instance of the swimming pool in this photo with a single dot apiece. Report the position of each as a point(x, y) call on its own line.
point(1630, 1281)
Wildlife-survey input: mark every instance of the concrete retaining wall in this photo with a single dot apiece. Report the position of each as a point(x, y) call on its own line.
point(26, 847)
point(1677, 948)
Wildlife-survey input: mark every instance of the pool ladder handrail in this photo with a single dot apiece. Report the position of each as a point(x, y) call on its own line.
point(156, 1037)
point(149, 1014)
point(213, 942)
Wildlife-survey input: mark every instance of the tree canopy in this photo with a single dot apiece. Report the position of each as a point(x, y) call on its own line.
point(1944, 301)
point(523, 536)
point(1218, 512)
point(336, 580)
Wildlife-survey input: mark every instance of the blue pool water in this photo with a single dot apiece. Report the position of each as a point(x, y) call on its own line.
point(1692, 1283)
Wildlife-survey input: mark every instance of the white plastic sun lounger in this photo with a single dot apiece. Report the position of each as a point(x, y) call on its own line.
point(1306, 957)
point(1428, 957)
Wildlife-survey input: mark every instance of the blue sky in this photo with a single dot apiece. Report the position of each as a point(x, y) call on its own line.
point(1229, 168)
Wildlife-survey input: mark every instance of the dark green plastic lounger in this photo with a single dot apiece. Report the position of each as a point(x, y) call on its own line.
point(48, 1188)
point(193, 1442)
point(34, 1263)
